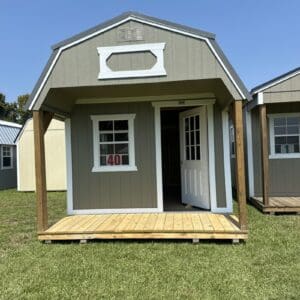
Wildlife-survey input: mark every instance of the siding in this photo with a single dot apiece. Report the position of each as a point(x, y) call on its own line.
point(284, 173)
point(55, 153)
point(185, 58)
point(286, 91)
point(113, 189)
point(125, 189)
point(8, 177)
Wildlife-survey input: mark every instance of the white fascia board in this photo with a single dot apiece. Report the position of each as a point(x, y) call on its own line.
point(143, 22)
point(10, 124)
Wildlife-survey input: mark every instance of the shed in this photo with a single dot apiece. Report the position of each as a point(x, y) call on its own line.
point(146, 104)
point(55, 156)
point(8, 158)
point(273, 139)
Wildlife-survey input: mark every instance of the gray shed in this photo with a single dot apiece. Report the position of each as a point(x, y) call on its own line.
point(146, 104)
point(273, 142)
point(8, 159)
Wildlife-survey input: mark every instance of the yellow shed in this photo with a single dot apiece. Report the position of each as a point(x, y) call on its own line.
point(55, 152)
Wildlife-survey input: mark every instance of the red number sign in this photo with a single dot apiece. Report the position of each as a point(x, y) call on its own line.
point(113, 159)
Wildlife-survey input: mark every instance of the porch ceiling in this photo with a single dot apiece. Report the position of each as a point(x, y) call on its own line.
point(62, 100)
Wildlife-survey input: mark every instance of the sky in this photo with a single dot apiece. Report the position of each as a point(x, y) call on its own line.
point(261, 38)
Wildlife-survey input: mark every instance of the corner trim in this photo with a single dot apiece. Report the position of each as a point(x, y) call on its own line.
point(69, 166)
point(250, 154)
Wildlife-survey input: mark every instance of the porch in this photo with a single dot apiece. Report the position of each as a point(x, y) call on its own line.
point(277, 204)
point(181, 225)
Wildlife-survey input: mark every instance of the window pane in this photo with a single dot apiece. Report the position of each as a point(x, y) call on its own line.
point(106, 149)
point(192, 123)
point(121, 137)
point(293, 120)
point(106, 137)
point(193, 138)
point(198, 157)
point(197, 137)
point(197, 121)
point(121, 125)
point(187, 138)
point(279, 121)
point(125, 160)
point(280, 140)
point(280, 130)
point(121, 148)
point(292, 129)
point(103, 160)
point(292, 140)
point(187, 153)
point(278, 149)
point(105, 125)
point(192, 153)
point(296, 148)
point(6, 162)
point(186, 122)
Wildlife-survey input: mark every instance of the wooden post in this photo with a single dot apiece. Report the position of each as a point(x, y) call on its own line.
point(41, 121)
point(264, 153)
point(240, 163)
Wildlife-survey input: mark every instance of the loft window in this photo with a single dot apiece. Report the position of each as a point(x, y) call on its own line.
point(113, 143)
point(285, 135)
point(6, 157)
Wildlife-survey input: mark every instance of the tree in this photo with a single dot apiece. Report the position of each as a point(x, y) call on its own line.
point(14, 111)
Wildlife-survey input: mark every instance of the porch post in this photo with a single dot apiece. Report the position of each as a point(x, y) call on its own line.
point(41, 121)
point(264, 153)
point(240, 163)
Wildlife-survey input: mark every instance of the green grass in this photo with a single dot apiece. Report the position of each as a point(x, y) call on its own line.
point(266, 267)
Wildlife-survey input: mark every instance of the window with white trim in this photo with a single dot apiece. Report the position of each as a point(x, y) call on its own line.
point(6, 157)
point(285, 135)
point(113, 143)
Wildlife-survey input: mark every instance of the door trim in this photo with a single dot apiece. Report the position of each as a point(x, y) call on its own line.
point(211, 142)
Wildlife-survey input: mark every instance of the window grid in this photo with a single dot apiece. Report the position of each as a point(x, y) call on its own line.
point(192, 138)
point(286, 134)
point(6, 161)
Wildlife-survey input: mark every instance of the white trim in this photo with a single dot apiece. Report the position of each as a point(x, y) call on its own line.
point(272, 154)
point(227, 164)
point(158, 159)
point(157, 69)
point(117, 24)
point(114, 211)
point(250, 153)
point(211, 158)
point(183, 103)
point(10, 124)
point(276, 82)
point(131, 143)
point(145, 98)
point(69, 166)
point(260, 98)
point(11, 157)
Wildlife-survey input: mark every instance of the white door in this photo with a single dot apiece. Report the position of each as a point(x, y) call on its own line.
point(194, 157)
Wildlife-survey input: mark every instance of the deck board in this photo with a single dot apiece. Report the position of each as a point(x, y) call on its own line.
point(277, 204)
point(185, 225)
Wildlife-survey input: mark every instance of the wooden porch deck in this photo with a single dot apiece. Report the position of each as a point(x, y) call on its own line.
point(190, 225)
point(277, 204)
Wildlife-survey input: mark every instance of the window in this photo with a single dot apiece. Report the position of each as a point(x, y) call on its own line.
point(285, 135)
point(6, 157)
point(192, 138)
point(113, 143)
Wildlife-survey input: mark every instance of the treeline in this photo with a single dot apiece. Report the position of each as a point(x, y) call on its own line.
point(14, 111)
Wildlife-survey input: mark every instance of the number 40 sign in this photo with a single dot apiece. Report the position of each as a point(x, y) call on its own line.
point(113, 159)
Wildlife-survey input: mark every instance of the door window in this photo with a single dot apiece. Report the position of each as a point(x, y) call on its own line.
point(192, 138)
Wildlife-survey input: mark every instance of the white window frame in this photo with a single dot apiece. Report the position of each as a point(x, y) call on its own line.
point(11, 157)
point(96, 142)
point(158, 69)
point(274, 155)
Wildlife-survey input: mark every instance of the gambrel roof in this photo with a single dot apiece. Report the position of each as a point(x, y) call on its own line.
point(209, 38)
point(8, 132)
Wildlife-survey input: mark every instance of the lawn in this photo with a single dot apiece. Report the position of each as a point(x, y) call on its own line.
point(267, 266)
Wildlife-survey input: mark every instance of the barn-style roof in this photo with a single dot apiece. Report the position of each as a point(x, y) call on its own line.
point(8, 132)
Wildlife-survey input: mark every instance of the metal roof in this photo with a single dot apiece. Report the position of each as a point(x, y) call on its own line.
point(8, 132)
point(137, 17)
point(275, 80)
